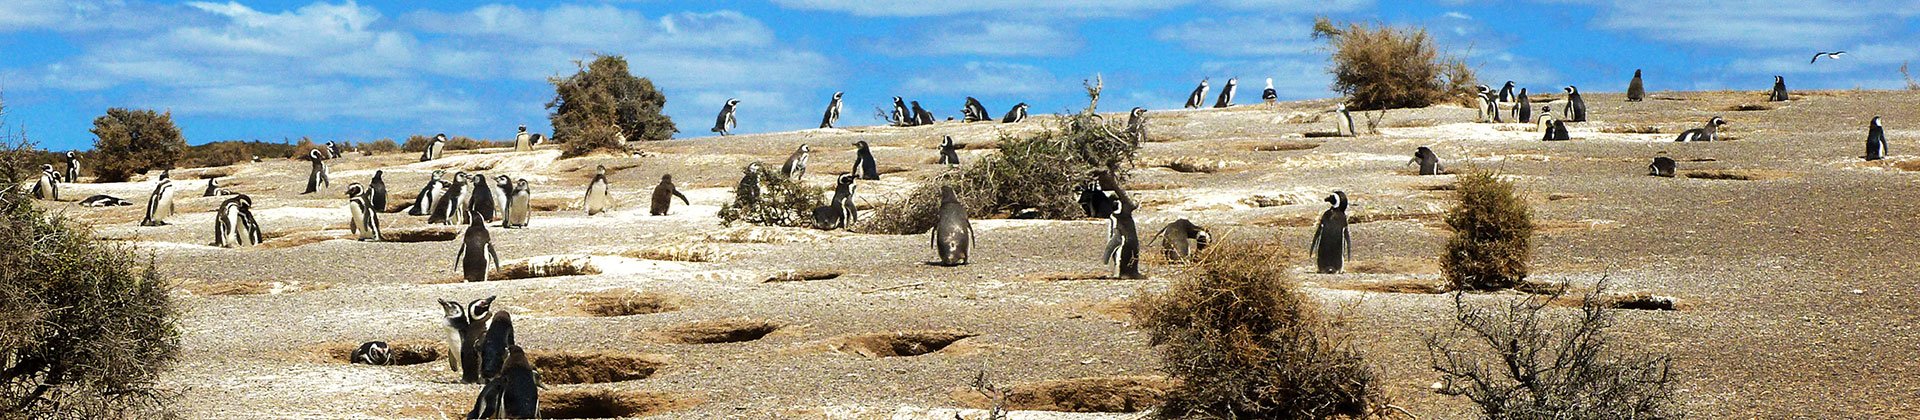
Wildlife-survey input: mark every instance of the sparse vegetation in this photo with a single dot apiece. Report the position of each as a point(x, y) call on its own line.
point(1492, 229)
point(1244, 342)
point(603, 105)
point(379, 147)
point(1382, 67)
point(223, 153)
point(1908, 77)
point(418, 143)
point(129, 142)
point(1518, 360)
point(783, 202)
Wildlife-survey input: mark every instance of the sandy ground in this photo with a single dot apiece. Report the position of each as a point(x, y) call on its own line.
point(1799, 282)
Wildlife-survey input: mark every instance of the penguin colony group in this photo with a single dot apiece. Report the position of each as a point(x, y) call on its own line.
point(481, 339)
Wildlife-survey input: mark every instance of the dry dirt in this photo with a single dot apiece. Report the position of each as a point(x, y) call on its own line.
point(1793, 258)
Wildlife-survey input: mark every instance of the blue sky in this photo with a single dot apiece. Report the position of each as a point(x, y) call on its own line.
point(272, 70)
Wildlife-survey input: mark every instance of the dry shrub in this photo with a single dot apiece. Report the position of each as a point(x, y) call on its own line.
point(1244, 342)
point(628, 302)
point(604, 403)
point(1631, 129)
point(684, 252)
point(783, 202)
point(379, 147)
point(1107, 394)
point(720, 331)
point(418, 143)
point(405, 352)
point(603, 105)
point(1385, 67)
point(129, 142)
point(897, 344)
point(1518, 360)
point(223, 153)
point(594, 368)
point(1492, 227)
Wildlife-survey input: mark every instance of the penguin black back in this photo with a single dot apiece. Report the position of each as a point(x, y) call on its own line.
point(1331, 243)
point(1523, 109)
point(832, 116)
point(663, 195)
point(376, 353)
point(1779, 93)
point(1576, 107)
point(952, 234)
point(493, 348)
point(1429, 162)
point(476, 254)
point(1876, 140)
point(1181, 240)
point(1662, 167)
point(863, 164)
point(379, 191)
point(1636, 92)
point(1095, 202)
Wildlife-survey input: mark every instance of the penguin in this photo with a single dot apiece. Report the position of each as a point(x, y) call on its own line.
point(1876, 140)
point(423, 203)
point(376, 353)
point(1779, 90)
point(519, 207)
point(949, 152)
point(974, 111)
point(1017, 114)
point(747, 193)
point(73, 167)
point(466, 327)
point(1662, 167)
point(1182, 239)
point(1506, 92)
point(1523, 110)
point(522, 141)
point(103, 200)
point(952, 234)
point(1551, 128)
point(1270, 95)
point(920, 115)
point(1491, 100)
point(863, 165)
point(598, 199)
point(1343, 123)
point(365, 219)
point(1710, 132)
point(233, 223)
point(493, 345)
point(839, 211)
point(214, 190)
point(333, 150)
point(1095, 202)
point(1331, 243)
point(317, 174)
point(434, 147)
point(485, 202)
point(451, 207)
point(377, 191)
point(1123, 236)
point(663, 195)
point(1429, 162)
point(47, 185)
point(832, 115)
point(796, 166)
point(1483, 100)
point(1576, 108)
point(1198, 97)
point(1635, 92)
point(901, 116)
point(1137, 125)
point(476, 254)
point(160, 203)
point(514, 393)
point(725, 123)
point(1226, 93)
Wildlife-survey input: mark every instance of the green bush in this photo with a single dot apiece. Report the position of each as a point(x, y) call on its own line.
point(783, 202)
point(1492, 228)
point(1384, 67)
point(418, 143)
point(1244, 342)
point(604, 94)
point(133, 142)
point(379, 147)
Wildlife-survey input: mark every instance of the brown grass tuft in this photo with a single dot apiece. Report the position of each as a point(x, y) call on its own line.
point(1106, 394)
point(1492, 227)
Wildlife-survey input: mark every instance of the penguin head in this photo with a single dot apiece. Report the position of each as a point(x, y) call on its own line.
point(862, 144)
point(453, 309)
point(440, 137)
point(1876, 121)
point(1483, 89)
point(947, 195)
point(69, 154)
point(1423, 152)
point(1716, 121)
point(1571, 89)
point(599, 169)
point(1022, 105)
point(732, 101)
point(377, 173)
point(1338, 200)
point(521, 185)
point(666, 178)
point(353, 190)
point(846, 179)
point(437, 173)
point(1636, 72)
point(946, 141)
point(313, 154)
point(836, 95)
point(1138, 111)
point(479, 308)
point(46, 167)
point(1509, 85)
point(166, 175)
point(1523, 91)
point(804, 148)
point(1233, 81)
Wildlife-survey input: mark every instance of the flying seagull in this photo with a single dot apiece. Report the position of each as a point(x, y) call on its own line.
point(1830, 56)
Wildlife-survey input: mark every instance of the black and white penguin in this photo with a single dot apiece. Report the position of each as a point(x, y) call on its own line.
point(725, 123)
point(796, 166)
point(434, 147)
point(663, 195)
point(1483, 100)
point(1343, 122)
point(451, 207)
point(376, 353)
point(1017, 114)
point(1095, 202)
point(1551, 129)
point(1199, 96)
point(365, 220)
point(73, 167)
point(832, 116)
point(377, 191)
point(485, 201)
point(160, 203)
point(920, 115)
point(513, 394)
point(1270, 95)
point(317, 174)
point(1710, 132)
point(902, 117)
point(1226, 93)
point(863, 164)
point(429, 194)
point(1635, 91)
point(1662, 166)
point(949, 152)
point(1506, 92)
point(1876, 140)
point(1182, 239)
point(1137, 125)
point(839, 211)
point(1779, 90)
point(1523, 109)
point(522, 140)
point(747, 192)
point(1576, 108)
point(952, 234)
point(233, 223)
point(214, 190)
point(493, 345)
point(598, 199)
point(1123, 236)
point(103, 200)
point(1429, 162)
point(47, 185)
point(519, 206)
point(1491, 100)
point(1331, 243)
point(466, 326)
point(974, 111)
point(476, 254)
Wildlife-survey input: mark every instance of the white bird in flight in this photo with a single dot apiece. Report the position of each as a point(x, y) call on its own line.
point(1830, 55)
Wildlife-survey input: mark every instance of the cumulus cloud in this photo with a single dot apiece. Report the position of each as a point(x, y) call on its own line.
point(1243, 35)
point(982, 37)
point(987, 78)
point(1755, 25)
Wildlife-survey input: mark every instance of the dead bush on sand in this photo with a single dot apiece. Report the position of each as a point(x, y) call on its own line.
point(1386, 67)
point(1492, 227)
point(1106, 394)
point(783, 202)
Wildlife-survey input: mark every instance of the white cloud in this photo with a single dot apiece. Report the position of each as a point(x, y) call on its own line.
point(986, 79)
point(1243, 36)
point(1300, 6)
point(33, 14)
point(1756, 25)
point(983, 37)
point(912, 8)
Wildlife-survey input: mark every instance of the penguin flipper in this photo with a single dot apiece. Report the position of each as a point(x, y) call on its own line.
point(492, 257)
point(683, 197)
point(1315, 245)
point(1346, 243)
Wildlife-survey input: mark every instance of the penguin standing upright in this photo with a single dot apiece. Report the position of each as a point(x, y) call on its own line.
point(160, 203)
point(1635, 91)
point(1483, 99)
point(1506, 92)
point(476, 254)
point(598, 199)
point(522, 141)
point(365, 220)
point(1017, 114)
point(663, 195)
point(747, 192)
point(73, 167)
point(1491, 100)
point(514, 393)
point(1551, 128)
point(902, 117)
point(1779, 90)
point(974, 111)
point(832, 115)
point(920, 115)
point(333, 150)
point(519, 206)
point(1199, 96)
point(487, 199)
point(1523, 110)
point(1343, 122)
point(1182, 239)
point(1226, 93)
point(839, 211)
point(429, 194)
point(1270, 95)
point(317, 175)
point(725, 123)
point(1710, 132)
point(1876, 140)
point(1331, 243)
point(47, 185)
point(451, 207)
point(1137, 126)
point(1662, 166)
point(232, 223)
point(952, 234)
point(1123, 236)
point(377, 191)
point(796, 166)
point(863, 165)
point(434, 147)
point(1095, 201)
point(466, 327)
point(949, 152)
point(1576, 108)
point(493, 345)
point(1429, 162)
